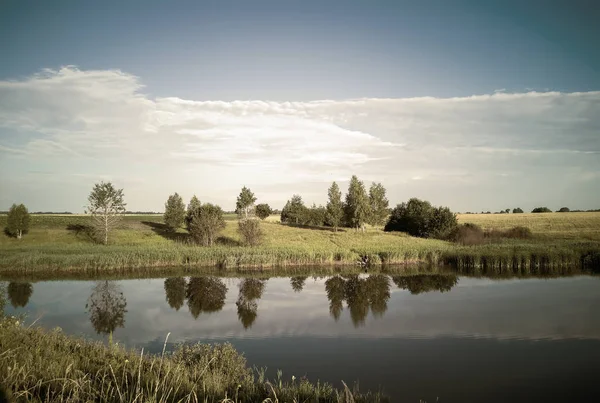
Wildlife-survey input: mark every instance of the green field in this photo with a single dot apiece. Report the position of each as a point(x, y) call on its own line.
point(57, 243)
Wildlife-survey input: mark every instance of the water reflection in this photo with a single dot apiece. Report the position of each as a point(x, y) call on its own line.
point(107, 307)
point(251, 290)
point(175, 292)
point(205, 294)
point(298, 283)
point(426, 282)
point(19, 293)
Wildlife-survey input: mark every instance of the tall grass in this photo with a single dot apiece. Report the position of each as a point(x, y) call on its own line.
point(39, 365)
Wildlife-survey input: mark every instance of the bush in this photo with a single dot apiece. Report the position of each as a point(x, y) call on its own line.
point(467, 234)
point(518, 233)
point(263, 210)
point(564, 210)
point(205, 223)
point(517, 210)
point(420, 218)
point(541, 210)
point(250, 232)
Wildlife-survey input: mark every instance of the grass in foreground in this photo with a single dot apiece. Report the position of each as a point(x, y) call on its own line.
point(48, 366)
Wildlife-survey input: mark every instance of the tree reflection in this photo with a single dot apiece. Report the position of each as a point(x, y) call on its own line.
point(298, 283)
point(106, 307)
point(251, 290)
point(19, 293)
point(426, 282)
point(335, 288)
point(175, 292)
point(361, 295)
point(205, 294)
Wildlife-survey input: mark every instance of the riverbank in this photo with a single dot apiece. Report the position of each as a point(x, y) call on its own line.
point(49, 366)
point(62, 244)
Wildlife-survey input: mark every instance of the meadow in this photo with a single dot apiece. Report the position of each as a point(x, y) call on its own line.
point(61, 243)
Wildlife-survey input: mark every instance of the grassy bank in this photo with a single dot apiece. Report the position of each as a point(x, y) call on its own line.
point(39, 365)
point(61, 243)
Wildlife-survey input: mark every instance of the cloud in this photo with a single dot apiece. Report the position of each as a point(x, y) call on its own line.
point(103, 123)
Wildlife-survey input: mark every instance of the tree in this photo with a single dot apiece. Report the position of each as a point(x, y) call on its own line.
point(245, 203)
point(356, 209)
point(335, 288)
point(420, 218)
point(175, 292)
point(105, 206)
point(251, 290)
point(205, 294)
point(17, 221)
point(379, 205)
point(507, 211)
point(335, 207)
point(517, 210)
point(541, 210)
point(263, 210)
point(294, 211)
point(205, 223)
point(19, 293)
point(174, 212)
point(193, 206)
point(107, 307)
point(250, 231)
point(316, 216)
point(426, 282)
point(298, 283)
point(564, 210)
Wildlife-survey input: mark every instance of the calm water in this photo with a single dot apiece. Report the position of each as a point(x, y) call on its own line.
point(478, 340)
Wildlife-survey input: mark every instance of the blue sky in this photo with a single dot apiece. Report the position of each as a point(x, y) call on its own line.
point(479, 105)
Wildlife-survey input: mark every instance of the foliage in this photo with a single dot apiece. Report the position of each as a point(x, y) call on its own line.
point(517, 210)
point(263, 210)
point(294, 211)
point(174, 212)
point(38, 365)
point(379, 205)
point(106, 205)
point(205, 294)
point(250, 231)
point(205, 223)
point(175, 290)
point(356, 209)
point(541, 210)
point(316, 216)
point(420, 218)
point(467, 234)
point(17, 221)
point(192, 206)
point(564, 210)
point(251, 290)
point(297, 283)
point(335, 207)
point(19, 293)
point(244, 205)
point(421, 283)
point(107, 307)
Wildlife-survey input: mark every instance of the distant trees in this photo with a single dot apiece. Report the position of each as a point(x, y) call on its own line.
point(335, 208)
point(356, 209)
point(294, 211)
point(564, 210)
point(420, 218)
point(204, 223)
point(263, 210)
point(541, 210)
point(517, 210)
point(379, 205)
point(106, 206)
point(244, 206)
point(17, 222)
point(174, 212)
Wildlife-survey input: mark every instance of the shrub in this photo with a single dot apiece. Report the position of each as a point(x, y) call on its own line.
point(263, 210)
point(518, 233)
point(17, 221)
point(541, 210)
point(517, 210)
point(205, 223)
point(564, 210)
point(250, 232)
point(467, 234)
point(420, 218)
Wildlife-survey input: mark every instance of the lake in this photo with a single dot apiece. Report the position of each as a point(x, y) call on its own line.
point(435, 338)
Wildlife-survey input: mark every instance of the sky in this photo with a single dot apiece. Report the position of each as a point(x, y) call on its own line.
point(472, 105)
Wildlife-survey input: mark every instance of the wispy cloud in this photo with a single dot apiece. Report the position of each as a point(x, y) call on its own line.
point(103, 116)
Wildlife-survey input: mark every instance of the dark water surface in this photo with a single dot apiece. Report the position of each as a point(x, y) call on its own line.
point(480, 340)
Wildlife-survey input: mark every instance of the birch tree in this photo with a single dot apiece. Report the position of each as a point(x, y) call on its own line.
point(17, 221)
point(106, 206)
